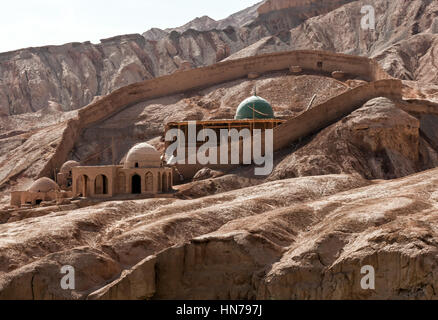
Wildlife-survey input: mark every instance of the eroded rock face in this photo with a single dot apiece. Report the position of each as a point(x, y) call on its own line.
point(276, 5)
point(253, 240)
point(73, 74)
point(206, 173)
point(313, 249)
point(378, 141)
point(302, 233)
point(224, 183)
point(118, 235)
point(393, 233)
point(41, 280)
point(404, 39)
point(305, 238)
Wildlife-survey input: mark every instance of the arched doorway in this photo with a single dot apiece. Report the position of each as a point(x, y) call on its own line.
point(149, 182)
point(159, 181)
point(82, 187)
point(101, 185)
point(136, 184)
point(169, 181)
point(164, 183)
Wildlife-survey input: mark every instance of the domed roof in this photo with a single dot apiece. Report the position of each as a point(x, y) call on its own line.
point(142, 155)
point(66, 167)
point(44, 185)
point(254, 108)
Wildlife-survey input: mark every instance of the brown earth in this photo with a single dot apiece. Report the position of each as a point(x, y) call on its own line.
point(378, 141)
point(355, 193)
point(296, 238)
point(117, 235)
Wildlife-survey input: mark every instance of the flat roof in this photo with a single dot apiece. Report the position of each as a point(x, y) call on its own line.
point(181, 123)
point(97, 166)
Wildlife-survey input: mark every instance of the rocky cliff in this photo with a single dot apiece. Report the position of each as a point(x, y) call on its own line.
point(404, 39)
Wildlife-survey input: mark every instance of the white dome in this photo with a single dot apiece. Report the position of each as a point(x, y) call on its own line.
point(44, 185)
point(142, 155)
point(66, 167)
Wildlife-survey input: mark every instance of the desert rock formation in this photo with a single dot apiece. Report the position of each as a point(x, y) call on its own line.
point(354, 180)
point(278, 240)
point(73, 74)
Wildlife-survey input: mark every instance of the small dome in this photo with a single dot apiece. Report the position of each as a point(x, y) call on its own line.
point(254, 108)
point(142, 155)
point(44, 185)
point(66, 167)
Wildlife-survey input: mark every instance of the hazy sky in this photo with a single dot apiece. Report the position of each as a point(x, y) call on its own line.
point(30, 23)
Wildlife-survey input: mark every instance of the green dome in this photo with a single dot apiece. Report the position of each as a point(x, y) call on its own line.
point(254, 108)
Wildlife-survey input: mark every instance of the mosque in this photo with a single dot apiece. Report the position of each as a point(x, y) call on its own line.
point(143, 171)
point(253, 113)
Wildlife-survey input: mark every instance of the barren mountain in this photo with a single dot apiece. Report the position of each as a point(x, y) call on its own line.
point(360, 189)
point(205, 23)
point(73, 74)
point(404, 39)
point(317, 219)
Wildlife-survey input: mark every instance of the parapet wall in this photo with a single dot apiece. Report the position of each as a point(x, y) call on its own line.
point(315, 119)
point(334, 109)
point(115, 102)
point(319, 61)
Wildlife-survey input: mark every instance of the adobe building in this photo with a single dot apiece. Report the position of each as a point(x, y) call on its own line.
point(141, 173)
point(42, 190)
point(252, 113)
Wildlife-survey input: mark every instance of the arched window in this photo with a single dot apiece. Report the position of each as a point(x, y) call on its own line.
point(149, 182)
point(101, 185)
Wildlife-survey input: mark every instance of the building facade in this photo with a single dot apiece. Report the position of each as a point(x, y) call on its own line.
point(142, 173)
point(65, 175)
point(254, 113)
